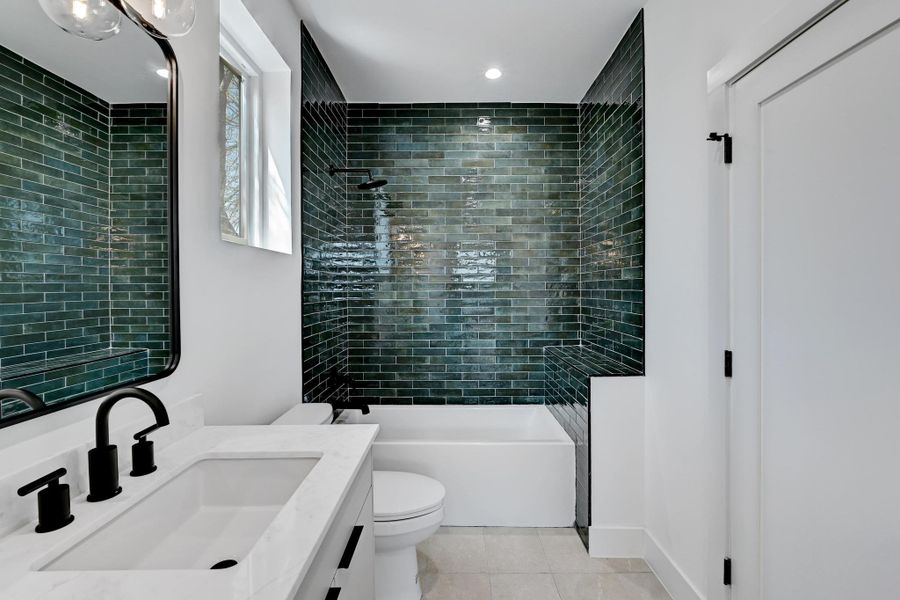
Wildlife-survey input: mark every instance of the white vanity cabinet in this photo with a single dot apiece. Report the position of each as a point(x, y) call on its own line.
point(344, 566)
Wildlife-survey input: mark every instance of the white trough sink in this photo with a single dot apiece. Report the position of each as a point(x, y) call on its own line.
point(215, 510)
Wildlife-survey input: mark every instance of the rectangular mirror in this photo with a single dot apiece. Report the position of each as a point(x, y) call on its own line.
point(88, 247)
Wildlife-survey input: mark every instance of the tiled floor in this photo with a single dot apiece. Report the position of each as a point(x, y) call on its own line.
point(474, 563)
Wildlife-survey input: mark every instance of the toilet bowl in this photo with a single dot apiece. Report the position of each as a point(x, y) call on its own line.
point(408, 509)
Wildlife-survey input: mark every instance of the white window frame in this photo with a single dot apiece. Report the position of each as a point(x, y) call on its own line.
point(267, 112)
point(251, 144)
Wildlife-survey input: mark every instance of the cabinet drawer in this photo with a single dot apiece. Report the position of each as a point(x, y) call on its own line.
point(356, 576)
point(318, 580)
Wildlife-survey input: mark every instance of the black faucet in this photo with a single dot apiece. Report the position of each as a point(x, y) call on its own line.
point(103, 461)
point(23, 395)
point(336, 381)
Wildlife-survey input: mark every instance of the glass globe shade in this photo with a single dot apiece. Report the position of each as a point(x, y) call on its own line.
point(91, 19)
point(170, 18)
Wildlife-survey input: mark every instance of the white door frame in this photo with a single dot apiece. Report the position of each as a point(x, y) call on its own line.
point(743, 447)
point(785, 26)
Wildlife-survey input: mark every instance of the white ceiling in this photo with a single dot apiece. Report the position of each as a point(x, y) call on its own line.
point(438, 50)
point(121, 69)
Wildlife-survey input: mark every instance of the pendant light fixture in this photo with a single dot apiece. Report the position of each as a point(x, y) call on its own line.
point(95, 20)
point(163, 18)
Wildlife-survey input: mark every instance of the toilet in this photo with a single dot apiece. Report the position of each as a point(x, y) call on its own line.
point(408, 509)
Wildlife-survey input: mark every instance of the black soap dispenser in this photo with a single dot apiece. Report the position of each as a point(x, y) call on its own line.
point(54, 505)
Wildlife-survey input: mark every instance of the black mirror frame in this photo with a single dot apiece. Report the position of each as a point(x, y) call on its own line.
point(174, 283)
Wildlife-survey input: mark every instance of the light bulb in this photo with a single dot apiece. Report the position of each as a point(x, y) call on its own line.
point(169, 18)
point(79, 9)
point(91, 19)
point(159, 9)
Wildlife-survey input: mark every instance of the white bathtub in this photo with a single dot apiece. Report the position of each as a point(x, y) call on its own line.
point(511, 466)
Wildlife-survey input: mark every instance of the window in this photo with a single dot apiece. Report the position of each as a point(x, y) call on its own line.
point(255, 117)
point(231, 97)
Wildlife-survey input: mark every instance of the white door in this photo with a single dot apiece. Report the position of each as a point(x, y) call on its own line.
point(815, 231)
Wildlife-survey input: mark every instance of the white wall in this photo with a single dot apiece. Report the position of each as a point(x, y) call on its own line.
point(617, 467)
point(686, 394)
point(240, 307)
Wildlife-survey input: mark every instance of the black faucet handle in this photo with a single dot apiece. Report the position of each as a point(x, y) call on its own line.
point(142, 459)
point(54, 503)
point(142, 455)
point(37, 484)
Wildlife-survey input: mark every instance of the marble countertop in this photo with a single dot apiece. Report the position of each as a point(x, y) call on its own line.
point(275, 566)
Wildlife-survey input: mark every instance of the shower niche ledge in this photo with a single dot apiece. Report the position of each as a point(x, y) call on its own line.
point(59, 378)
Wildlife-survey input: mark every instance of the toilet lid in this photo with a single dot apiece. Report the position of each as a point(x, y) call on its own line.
point(307, 413)
point(398, 495)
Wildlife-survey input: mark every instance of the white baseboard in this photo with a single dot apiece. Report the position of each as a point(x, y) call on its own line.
point(668, 573)
point(636, 542)
point(617, 542)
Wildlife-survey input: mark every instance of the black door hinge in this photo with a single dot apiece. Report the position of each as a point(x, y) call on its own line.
point(726, 572)
point(729, 142)
point(729, 363)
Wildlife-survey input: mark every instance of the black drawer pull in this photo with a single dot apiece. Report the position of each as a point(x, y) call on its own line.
point(350, 550)
point(333, 594)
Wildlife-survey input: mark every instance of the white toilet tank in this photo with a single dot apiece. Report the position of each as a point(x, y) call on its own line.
point(306, 414)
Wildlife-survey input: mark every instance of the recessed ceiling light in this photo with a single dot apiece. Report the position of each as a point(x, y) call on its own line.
point(493, 73)
point(164, 73)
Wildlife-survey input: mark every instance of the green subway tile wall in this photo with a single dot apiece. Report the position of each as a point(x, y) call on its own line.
point(54, 190)
point(139, 236)
point(324, 221)
point(612, 254)
point(466, 265)
point(64, 234)
point(505, 229)
point(612, 210)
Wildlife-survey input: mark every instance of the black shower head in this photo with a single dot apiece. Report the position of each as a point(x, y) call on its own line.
point(372, 184)
point(368, 184)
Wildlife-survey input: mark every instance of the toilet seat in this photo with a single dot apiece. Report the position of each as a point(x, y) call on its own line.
point(399, 496)
point(414, 526)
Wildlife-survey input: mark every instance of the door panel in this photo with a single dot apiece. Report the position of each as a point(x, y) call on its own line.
point(830, 328)
point(816, 213)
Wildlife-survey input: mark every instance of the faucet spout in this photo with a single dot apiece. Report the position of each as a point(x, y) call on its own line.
point(103, 461)
point(148, 398)
point(25, 396)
